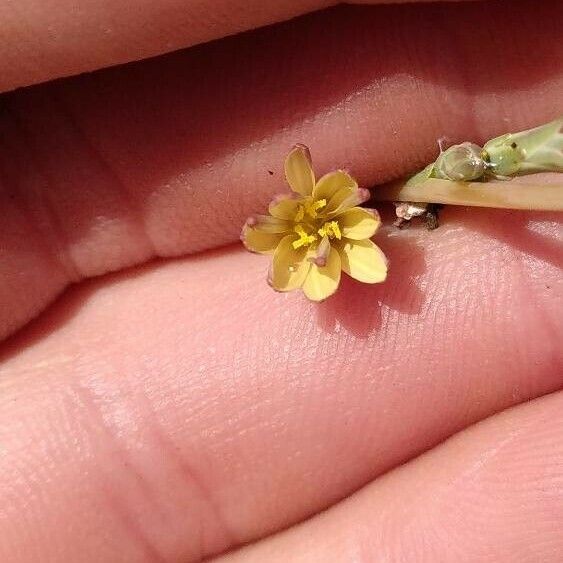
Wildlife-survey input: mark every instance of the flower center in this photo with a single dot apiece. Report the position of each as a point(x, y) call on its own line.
point(331, 230)
point(305, 239)
point(310, 208)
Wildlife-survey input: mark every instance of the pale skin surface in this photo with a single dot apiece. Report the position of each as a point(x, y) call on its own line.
point(177, 409)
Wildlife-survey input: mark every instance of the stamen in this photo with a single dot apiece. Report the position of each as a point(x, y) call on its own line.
point(310, 208)
point(316, 206)
point(330, 229)
point(304, 238)
point(300, 215)
point(336, 230)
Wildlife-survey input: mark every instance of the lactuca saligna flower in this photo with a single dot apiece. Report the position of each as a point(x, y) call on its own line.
point(317, 232)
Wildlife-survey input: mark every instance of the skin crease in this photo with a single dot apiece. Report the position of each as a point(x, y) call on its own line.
point(47, 39)
point(497, 468)
point(197, 434)
point(149, 416)
point(122, 160)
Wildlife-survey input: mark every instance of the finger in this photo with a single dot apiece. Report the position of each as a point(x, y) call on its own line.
point(491, 493)
point(171, 156)
point(46, 40)
point(185, 409)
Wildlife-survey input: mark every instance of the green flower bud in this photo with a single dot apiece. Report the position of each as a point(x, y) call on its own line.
point(461, 163)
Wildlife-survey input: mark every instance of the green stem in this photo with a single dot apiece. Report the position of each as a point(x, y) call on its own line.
point(500, 194)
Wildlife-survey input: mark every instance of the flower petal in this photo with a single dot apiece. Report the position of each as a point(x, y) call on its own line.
point(358, 223)
point(298, 171)
point(284, 207)
point(321, 253)
point(322, 282)
point(289, 267)
point(260, 241)
point(335, 202)
point(363, 260)
point(331, 183)
point(269, 224)
point(346, 198)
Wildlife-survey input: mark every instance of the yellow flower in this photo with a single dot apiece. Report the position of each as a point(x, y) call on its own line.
point(317, 232)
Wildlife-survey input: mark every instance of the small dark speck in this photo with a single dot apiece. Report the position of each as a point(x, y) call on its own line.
point(271, 172)
point(547, 287)
point(513, 145)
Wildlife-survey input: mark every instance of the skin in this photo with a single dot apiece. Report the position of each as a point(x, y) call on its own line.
point(158, 402)
point(46, 39)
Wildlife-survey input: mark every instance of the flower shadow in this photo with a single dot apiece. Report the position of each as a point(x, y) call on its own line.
point(358, 307)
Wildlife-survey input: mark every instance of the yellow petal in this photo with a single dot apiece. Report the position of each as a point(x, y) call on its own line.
point(338, 198)
point(331, 183)
point(284, 207)
point(289, 267)
point(269, 224)
point(259, 241)
point(358, 223)
point(298, 171)
point(363, 260)
point(322, 282)
point(322, 252)
point(346, 198)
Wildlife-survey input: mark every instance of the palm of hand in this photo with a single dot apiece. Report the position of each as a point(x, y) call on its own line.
point(180, 408)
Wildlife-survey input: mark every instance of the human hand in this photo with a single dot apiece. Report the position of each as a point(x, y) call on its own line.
point(178, 408)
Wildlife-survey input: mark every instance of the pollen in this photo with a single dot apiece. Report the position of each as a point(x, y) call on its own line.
point(318, 232)
point(316, 206)
point(304, 239)
point(309, 208)
point(330, 230)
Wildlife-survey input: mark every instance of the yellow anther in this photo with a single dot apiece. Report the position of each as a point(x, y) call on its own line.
point(315, 206)
point(304, 238)
point(336, 230)
point(330, 230)
point(309, 208)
